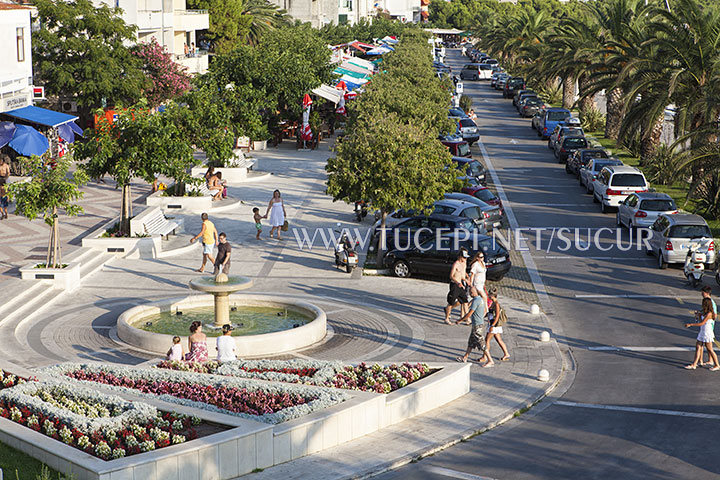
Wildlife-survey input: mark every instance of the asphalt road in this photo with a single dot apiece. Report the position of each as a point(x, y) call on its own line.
point(628, 414)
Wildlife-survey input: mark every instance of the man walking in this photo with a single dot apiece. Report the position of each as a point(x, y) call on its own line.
point(458, 276)
point(222, 261)
point(209, 239)
point(4, 168)
point(478, 309)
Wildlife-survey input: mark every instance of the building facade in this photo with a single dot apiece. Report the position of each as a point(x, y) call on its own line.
point(323, 12)
point(171, 24)
point(15, 57)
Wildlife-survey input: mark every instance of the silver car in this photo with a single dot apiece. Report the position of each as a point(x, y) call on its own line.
point(453, 207)
point(591, 170)
point(643, 208)
point(672, 235)
point(491, 215)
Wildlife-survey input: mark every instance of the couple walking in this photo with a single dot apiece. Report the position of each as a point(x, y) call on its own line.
point(210, 238)
point(706, 336)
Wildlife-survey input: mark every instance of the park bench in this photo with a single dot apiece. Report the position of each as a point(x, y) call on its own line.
point(154, 222)
point(202, 189)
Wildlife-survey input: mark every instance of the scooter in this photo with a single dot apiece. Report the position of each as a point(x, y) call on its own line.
point(361, 210)
point(345, 254)
point(695, 261)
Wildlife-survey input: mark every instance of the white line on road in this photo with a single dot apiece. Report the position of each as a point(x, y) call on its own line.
point(634, 296)
point(674, 413)
point(446, 472)
point(641, 349)
point(577, 257)
point(527, 258)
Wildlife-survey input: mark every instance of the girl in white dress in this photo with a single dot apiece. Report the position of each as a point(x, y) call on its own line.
point(706, 335)
point(276, 209)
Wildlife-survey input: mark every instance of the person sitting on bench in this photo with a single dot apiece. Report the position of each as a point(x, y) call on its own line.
point(215, 183)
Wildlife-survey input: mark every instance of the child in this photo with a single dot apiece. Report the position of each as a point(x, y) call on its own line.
point(4, 201)
point(257, 217)
point(176, 351)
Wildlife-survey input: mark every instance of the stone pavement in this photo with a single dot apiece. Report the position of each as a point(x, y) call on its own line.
point(371, 318)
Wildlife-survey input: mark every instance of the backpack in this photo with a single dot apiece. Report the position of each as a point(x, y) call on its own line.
point(502, 317)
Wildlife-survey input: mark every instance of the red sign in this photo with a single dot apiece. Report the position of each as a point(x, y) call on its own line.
point(38, 92)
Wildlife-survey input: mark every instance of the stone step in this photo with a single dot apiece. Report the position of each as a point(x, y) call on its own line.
point(18, 293)
point(38, 301)
point(94, 262)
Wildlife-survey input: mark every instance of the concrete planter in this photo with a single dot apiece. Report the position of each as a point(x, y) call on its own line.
point(67, 278)
point(246, 346)
point(230, 174)
point(128, 247)
point(174, 204)
point(259, 144)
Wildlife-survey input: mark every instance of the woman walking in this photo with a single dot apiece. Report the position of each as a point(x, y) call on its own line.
point(197, 346)
point(706, 335)
point(276, 209)
point(494, 331)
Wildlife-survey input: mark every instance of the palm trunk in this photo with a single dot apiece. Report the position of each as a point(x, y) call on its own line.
point(381, 247)
point(650, 140)
point(53, 258)
point(615, 113)
point(586, 103)
point(125, 210)
point(568, 91)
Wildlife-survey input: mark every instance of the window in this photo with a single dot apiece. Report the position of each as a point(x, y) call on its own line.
point(658, 205)
point(557, 116)
point(690, 231)
point(20, 34)
point(628, 180)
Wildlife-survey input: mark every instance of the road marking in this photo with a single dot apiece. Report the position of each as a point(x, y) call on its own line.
point(633, 296)
point(446, 472)
point(578, 257)
point(527, 258)
point(513, 141)
point(641, 349)
point(674, 413)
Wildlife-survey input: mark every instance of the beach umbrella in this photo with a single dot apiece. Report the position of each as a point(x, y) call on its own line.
point(28, 141)
point(7, 129)
point(66, 132)
point(306, 131)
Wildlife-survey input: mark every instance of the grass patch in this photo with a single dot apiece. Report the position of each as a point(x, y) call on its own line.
point(16, 465)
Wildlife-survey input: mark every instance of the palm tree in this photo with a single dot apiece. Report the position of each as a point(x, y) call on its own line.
point(261, 16)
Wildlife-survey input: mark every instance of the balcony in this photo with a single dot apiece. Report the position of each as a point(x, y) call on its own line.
point(195, 64)
point(189, 20)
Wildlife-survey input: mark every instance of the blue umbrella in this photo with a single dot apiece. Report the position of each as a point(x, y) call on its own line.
point(76, 129)
point(28, 141)
point(7, 129)
point(66, 133)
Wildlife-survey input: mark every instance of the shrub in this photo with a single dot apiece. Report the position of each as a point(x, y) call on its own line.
point(663, 167)
point(465, 102)
point(550, 93)
point(707, 195)
point(592, 120)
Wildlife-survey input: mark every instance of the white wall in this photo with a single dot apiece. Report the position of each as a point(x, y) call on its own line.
point(14, 74)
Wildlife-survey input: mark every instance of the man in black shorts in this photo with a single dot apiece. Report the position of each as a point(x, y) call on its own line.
point(458, 276)
point(222, 260)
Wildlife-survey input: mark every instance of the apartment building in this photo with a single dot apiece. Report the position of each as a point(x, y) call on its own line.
point(322, 12)
point(15, 57)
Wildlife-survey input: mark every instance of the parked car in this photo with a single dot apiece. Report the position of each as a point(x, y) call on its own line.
point(538, 118)
point(562, 130)
point(530, 106)
point(672, 234)
point(552, 117)
point(567, 145)
point(489, 61)
point(471, 168)
point(469, 131)
point(457, 113)
point(496, 76)
point(500, 85)
point(492, 215)
point(581, 157)
point(436, 255)
point(484, 194)
point(589, 172)
point(614, 183)
point(476, 71)
point(512, 85)
point(520, 93)
point(642, 209)
point(424, 227)
point(457, 146)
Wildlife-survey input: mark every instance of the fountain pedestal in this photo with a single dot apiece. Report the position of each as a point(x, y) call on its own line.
point(221, 292)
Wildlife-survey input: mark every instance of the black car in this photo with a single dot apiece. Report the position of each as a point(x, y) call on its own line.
point(530, 106)
point(436, 255)
point(581, 157)
point(513, 85)
point(424, 226)
point(519, 93)
point(472, 168)
point(569, 145)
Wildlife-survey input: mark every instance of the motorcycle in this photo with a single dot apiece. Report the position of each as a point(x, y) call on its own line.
point(695, 261)
point(345, 254)
point(361, 210)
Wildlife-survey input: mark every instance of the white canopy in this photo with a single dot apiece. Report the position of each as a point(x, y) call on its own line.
point(328, 93)
point(361, 62)
point(347, 65)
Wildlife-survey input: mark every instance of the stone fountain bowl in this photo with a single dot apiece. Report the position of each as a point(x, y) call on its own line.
point(245, 346)
point(234, 283)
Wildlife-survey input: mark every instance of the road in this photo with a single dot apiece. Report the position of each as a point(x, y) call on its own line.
point(628, 413)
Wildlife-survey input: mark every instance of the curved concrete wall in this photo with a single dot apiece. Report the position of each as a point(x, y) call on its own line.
point(246, 346)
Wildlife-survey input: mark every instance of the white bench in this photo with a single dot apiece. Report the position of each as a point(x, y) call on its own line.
point(154, 222)
point(239, 160)
point(202, 189)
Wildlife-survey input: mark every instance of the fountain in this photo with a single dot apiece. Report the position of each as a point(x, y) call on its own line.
point(221, 287)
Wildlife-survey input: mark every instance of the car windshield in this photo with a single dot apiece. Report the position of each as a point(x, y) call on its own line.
point(627, 180)
point(533, 101)
point(490, 246)
point(485, 66)
point(472, 212)
point(456, 112)
point(475, 168)
point(485, 195)
point(463, 149)
point(570, 131)
point(597, 166)
point(690, 231)
point(595, 154)
point(557, 116)
point(466, 122)
point(466, 225)
point(657, 205)
point(575, 143)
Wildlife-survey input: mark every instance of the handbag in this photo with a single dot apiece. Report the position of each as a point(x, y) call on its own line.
point(285, 227)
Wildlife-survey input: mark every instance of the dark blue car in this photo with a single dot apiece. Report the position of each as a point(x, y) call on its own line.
point(553, 116)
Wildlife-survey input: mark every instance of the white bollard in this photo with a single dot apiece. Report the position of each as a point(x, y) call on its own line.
point(543, 375)
point(544, 336)
point(534, 309)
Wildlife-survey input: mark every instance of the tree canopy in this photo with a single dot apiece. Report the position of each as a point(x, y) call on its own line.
point(167, 78)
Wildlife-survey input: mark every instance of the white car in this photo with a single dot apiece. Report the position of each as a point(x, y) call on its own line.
point(614, 183)
point(591, 170)
point(642, 209)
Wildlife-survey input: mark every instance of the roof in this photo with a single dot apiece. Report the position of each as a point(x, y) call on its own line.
point(653, 195)
point(687, 218)
point(41, 116)
point(445, 31)
point(623, 168)
point(558, 109)
point(14, 6)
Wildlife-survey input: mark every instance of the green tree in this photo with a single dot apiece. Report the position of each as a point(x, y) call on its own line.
point(138, 143)
point(49, 190)
point(80, 51)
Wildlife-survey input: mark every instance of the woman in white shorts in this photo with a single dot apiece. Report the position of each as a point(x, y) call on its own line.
point(494, 331)
point(706, 335)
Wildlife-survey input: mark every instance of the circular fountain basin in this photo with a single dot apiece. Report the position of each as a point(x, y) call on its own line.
point(130, 325)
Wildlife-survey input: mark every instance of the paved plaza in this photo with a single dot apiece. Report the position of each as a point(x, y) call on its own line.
point(370, 318)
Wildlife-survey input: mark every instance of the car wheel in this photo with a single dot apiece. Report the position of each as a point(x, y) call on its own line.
point(662, 264)
point(532, 125)
point(618, 222)
point(648, 252)
point(567, 169)
point(588, 189)
point(595, 200)
point(401, 269)
point(549, 145)
point(604, 208)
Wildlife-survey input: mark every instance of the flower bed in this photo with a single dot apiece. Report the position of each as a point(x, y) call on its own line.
point(105, 426)
point(244, 398)
point(375, 378)
point(8, 380)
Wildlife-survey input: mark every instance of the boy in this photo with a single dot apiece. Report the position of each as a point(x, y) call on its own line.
point(176, 352)
point(257, 217)
point(226, 345)
point(222, 260)
point(4, 201)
